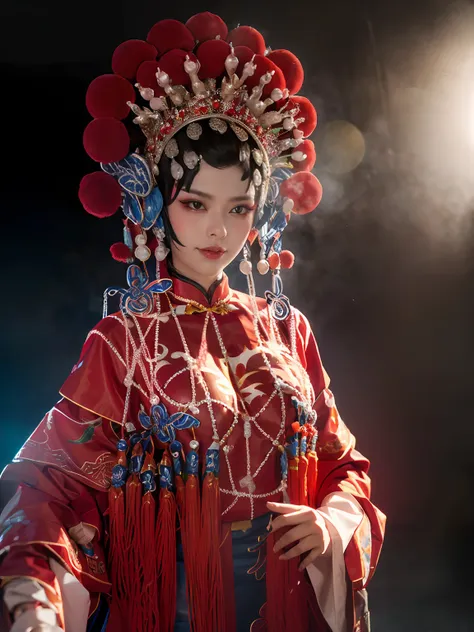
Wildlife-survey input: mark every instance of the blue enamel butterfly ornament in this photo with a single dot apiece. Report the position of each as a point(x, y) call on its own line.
point(142, 203)
point(138, 299)
point(164, 426)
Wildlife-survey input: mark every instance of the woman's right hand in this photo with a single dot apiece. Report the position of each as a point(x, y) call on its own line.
point(31, 617)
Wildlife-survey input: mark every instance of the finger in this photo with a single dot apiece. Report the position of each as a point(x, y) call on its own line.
point(309, 559)
point(296, 533)
point(282, 508)
point(302, 514)
point(306, 544)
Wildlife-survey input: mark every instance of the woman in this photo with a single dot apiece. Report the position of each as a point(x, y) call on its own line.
point(196, 474)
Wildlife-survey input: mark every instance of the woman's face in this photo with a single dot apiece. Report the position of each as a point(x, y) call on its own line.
point(212, 220)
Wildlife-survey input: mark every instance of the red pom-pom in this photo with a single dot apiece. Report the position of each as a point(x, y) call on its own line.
point(266, 65)
point(100, 194)
point(304, 189)
point(306, 111)
point(129, 55)
point(287, 259)
point(206, 26)
point(212, 56)
point(121, 252)
point(291, 67)
point(168, 34)
point(107, 96)
point(146, 77)
point(172, 63)
point(247, 36)
point(306, 147)
point(106, 140)
point(274, 261)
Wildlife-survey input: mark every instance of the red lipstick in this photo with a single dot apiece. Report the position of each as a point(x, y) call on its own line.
point(213, 252)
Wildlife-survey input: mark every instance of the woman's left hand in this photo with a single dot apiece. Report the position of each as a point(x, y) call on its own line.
point(306, 525)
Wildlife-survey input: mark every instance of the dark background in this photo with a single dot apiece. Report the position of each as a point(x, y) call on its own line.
point(385, 266)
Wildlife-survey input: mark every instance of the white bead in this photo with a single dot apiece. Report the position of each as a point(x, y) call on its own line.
point(263, 266)
point(245, 267)
point(177, 170)
point(161, 252)
point(154, 400)
point(142, 253)
point(276, 94)
point(194, 410)
point(140, 240)
point(298, 156)
point(128, 381)
point(288, 123)
point(194, 445)
point(288, 206)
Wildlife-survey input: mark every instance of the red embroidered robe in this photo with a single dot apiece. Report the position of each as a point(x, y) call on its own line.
point(63, 470)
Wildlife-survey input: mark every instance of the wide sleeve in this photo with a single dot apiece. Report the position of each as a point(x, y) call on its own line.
point(62, 474)
point(355, 524)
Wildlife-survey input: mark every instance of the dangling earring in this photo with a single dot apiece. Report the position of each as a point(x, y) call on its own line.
point(263, 266)
point(161, 251)
point(245, 267)
point(142, 252)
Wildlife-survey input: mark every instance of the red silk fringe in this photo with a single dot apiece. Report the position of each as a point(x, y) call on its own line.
point(192, 551)
point(117, 549)
point(211, 539)
point(180, 491)
point(293, 487)
point(312, 478)
point(302, 480)
point(148, 549)
point(287, 605)
point(166, 556)
point(133, 569)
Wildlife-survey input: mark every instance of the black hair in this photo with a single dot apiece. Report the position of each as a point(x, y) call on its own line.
point(218, 150)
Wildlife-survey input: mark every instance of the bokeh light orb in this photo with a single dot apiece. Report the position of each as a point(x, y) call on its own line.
point(343, 147)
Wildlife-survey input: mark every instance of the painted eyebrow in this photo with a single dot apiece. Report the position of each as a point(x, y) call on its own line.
point(208, 196)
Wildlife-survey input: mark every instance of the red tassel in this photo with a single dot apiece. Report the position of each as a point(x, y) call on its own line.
point(149, 596)
point(166, 555)
point(117, 552)
point(211, 540)
point(117, 545)
point(312, 478)
point(132, 534)
point(293, 487)
point(286, 607)
point(180, 491)
point(302, 480)
point(148, 552)
point(191, 539)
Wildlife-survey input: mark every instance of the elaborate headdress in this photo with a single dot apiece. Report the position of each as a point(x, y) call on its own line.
point(186, 76)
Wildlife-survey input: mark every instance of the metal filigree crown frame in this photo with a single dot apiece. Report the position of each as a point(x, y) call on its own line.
point(232, 103)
